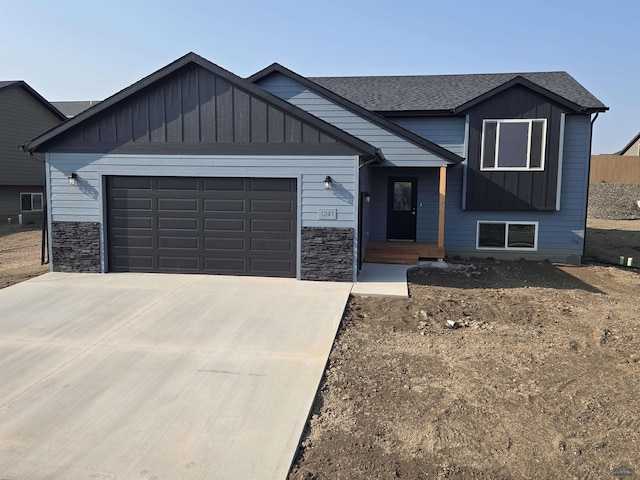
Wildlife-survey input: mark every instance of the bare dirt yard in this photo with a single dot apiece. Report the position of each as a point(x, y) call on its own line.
point(20, 254)
point(539, 379)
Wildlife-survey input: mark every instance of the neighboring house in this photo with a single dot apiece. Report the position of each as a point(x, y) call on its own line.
point(193, 169)
point(631, 149)
point(24, 114)
point(73, 108)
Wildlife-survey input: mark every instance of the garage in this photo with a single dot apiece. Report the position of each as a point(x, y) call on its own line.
point(229, 226)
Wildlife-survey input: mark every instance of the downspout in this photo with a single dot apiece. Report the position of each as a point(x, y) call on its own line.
point(584, 241)
point(44, 250)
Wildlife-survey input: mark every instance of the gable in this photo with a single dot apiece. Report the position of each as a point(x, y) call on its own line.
point(22, 116)
point(194, 107)
point(400, 147)
point(504, 189)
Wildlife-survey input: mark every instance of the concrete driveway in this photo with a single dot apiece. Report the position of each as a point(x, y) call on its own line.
point(148, 376)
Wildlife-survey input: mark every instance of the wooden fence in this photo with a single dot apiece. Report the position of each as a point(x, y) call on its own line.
point(614, 169)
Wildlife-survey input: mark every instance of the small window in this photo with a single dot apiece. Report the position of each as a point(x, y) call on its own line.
point(513, 144)
point(507, 236)
point(30, 202)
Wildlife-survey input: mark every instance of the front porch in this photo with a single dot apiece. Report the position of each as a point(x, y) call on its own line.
point(401, 252)
point(414, 216)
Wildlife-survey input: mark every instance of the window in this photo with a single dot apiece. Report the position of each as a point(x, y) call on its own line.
point(507, 236)
point(30, 202)
point(513, 144)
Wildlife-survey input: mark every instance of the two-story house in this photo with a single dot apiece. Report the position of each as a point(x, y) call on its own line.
point(193, 169)
point(24, 114)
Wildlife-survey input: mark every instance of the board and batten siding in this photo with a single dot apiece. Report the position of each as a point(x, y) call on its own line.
point(560, 233)
point(397, 151)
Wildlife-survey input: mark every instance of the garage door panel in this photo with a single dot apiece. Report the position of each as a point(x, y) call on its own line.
point(132, 261)
point(224, 205)
point(178, 263)
point(131, 222)
point(225, 184)
point(263, 265)
point(271, 206)
point(225, 244)
point(177, 204)
point(271, 245)
point(271, 225)
point(129, 240)
point(224, 225)
point(225, 265)
point(181, 243)
point(177, 183)
point(128, 203)
point(172, 223)
point(232, 226)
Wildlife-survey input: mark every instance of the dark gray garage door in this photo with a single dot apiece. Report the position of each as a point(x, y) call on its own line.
point(229, 226)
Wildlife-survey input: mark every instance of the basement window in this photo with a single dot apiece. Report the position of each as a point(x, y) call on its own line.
point(516, 145)
point(30, 202)
point(507, 236)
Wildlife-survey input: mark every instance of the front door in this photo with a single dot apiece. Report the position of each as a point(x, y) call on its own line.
point(401, 208)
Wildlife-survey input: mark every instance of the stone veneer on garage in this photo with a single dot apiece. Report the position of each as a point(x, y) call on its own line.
point(327, 254)
point(75, 246)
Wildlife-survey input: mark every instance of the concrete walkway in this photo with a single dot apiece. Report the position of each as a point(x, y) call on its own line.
point(382, 280)
point(146, 376)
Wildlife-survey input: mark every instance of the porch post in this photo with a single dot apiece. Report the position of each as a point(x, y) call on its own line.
point(441, 206)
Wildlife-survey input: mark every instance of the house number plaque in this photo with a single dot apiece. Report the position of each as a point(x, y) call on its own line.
point(327, 214)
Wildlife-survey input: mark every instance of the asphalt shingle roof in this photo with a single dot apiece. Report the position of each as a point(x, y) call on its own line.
point(73, 108)
point(445, 92)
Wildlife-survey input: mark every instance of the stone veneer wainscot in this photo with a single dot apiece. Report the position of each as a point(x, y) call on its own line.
point(327, 254)
point(75, 246)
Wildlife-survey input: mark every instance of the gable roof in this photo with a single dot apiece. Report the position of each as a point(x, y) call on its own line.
point(448, 93)
point(629, 145)
point(7, 85)
point(74, 107)
point(39, 143)
point(354, 107)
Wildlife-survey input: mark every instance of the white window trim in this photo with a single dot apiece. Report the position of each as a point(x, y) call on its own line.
point(507, 223)
point(496, 168)
point(32, 194)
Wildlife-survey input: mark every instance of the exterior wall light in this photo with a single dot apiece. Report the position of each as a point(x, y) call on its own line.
point(327, 182)
point(73, 179)
point(367, 197)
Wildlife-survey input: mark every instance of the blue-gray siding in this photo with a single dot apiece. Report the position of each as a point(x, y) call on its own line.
point(85, 202)
point(397, 150)
point(560, 234)
point(448, 132)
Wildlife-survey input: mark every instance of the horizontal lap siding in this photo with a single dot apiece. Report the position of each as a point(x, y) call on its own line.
point(84, 203)
point(22, 119)
point(560, 232)
point(448, 132)
point(397, 151)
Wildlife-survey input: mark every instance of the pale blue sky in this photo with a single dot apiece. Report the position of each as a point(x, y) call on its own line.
point(89, 50)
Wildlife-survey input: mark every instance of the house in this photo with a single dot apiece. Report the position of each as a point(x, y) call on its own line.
point(194, 169)
point(74, 107)
point(24, 114)
point(632, 148)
